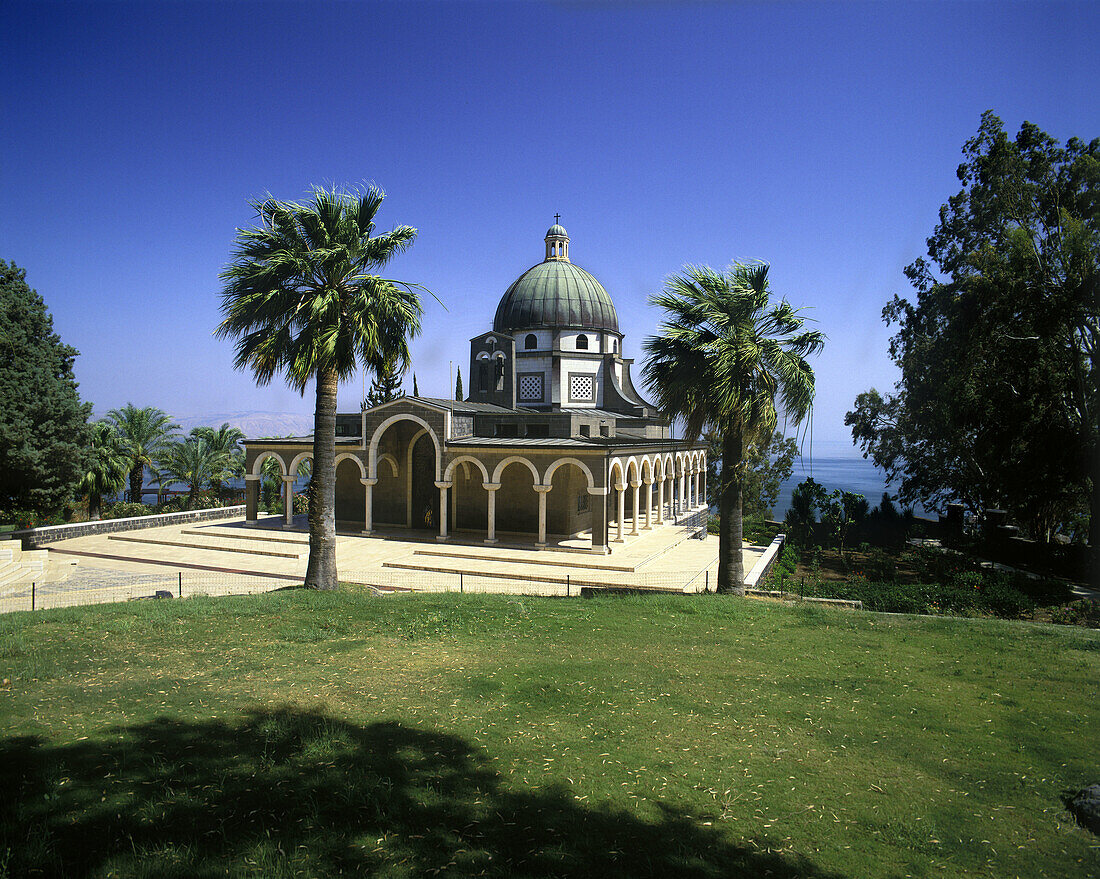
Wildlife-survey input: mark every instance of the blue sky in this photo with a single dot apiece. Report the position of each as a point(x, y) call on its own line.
point(821, 138)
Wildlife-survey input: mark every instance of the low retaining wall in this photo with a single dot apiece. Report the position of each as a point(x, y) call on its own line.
point(33, 537)
point(764, 565)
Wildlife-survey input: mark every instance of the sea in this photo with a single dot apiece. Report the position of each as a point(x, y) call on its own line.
point(837, 465)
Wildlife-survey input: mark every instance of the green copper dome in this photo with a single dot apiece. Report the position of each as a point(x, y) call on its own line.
point(556, 294)
point(557, 230)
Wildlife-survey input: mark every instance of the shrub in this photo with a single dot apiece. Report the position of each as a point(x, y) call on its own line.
point(30, 519)
point(1083, 612)
point(125, 510)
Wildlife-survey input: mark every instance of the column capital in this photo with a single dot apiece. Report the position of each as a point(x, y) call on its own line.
point(289, 478)
point(542, 489)
point(618, 486)
point(248, 477)
point(635, 484)
point(601, 492)
point(648, 481)
point(443, 484)
point(368, 481)
point(491, 486)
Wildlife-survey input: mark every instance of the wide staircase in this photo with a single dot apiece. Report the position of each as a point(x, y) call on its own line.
point(20, 566)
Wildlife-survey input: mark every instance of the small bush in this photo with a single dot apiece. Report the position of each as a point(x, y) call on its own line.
point(30, 519)
point(125, 510)
point(1083, 612)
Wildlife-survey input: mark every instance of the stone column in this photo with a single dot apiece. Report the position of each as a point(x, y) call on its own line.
point(442, 486)
point(542, 490)
point(661, 500)
point(251, 499)
point(634, 521)
point(621, 491)
point(703, 483)
point(648, 503)
point(368, 505)
point(599, 519)
point(288, 501)
point(491, 535)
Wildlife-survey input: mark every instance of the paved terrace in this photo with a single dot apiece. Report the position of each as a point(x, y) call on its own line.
point(230, 557)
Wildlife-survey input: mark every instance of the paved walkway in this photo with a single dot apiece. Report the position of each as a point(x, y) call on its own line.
point(230, 556)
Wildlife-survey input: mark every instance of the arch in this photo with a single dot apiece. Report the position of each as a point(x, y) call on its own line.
point(531, 342)
point(582, 342)
point(298, 459)
point(561, 462)
point(647, 467)
point(616, 464)
point(376, 438)
point(512, 459)
point(670, 467)
point(391, 460)
point(449, 473)
point(632, 465)
point(263, 456)
point(345, 456)
point(659, 468)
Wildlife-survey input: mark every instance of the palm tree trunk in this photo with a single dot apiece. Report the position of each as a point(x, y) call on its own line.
point(95, 505)
point(137, 478)
point(731, 566)
point(321, 570)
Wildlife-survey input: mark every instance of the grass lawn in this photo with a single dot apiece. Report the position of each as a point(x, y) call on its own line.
point(300, 734)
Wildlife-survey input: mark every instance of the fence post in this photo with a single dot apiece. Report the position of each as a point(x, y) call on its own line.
point(32, 595)
point(460, 586)
point(181, 584)
point(706, 580)
point(566, 585)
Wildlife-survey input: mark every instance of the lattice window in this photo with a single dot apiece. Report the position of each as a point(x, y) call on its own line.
point(582, 388)
point(530, 387)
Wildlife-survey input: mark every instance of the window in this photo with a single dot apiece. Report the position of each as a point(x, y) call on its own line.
point(483, 376)
point(582, 503)
point(530, 387)
point(582, 342)
point(531, 342)
point(614, 345)
point(582, 388)
point(538, 431)
point(586, 430)
point(605, 430)
point(507, 430)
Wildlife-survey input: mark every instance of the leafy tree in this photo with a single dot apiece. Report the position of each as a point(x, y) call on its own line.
point(43, 425)
point(145, 433)
point(722, 358)
point(386, 385)
point(106, 466)
point(193, 462)
point(842, 510)
point(225, 441)
point(458, 386)
point(300, 299)
point(997, 401)
point(767, 464)
point(807, 499)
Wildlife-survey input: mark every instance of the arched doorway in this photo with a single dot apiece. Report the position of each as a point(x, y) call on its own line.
point(423, 494)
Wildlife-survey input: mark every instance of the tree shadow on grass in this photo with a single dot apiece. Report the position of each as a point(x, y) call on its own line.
point(297, 793)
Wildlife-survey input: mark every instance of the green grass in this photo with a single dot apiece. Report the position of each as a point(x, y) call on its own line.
point(300, 734)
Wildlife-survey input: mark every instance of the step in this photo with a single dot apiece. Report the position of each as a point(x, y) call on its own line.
point(156, 541)
point(504, 570)
point(527, 557)
point(237, 534)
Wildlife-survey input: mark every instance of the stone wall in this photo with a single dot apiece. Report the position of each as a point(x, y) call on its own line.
point(33, 537)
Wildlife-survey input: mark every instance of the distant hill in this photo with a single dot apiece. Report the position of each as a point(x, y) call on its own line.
point(252, 424)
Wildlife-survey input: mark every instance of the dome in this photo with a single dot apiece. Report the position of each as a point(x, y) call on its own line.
point(556, 294)
point(557, 231)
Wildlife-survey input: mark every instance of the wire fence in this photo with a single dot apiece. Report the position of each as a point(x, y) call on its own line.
point(95, 586)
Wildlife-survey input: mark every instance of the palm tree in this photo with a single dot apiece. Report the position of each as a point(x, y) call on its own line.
point(192, 462)
point(225, 441)
point(299, 299)
point(723, 357)
point(106, 466)
point(144, 432)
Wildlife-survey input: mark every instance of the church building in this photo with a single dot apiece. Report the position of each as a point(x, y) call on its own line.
point(552, 443)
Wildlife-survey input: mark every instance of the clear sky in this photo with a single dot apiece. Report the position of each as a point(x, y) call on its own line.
point(821, 138)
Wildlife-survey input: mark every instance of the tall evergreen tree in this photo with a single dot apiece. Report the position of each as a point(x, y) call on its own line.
point(43, 425)
point(386, 386)
point(416, 390)
point(458, 386)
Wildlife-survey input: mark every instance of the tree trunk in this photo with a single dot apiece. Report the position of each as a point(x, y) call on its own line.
point(321, 570)
point(731, 566)
point(95, 505)
point(137, 479)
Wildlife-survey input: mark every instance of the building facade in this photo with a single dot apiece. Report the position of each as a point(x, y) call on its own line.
point(553, 440)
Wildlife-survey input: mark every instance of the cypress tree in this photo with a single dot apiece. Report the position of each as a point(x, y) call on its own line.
point(416, 391)
point(458, 386)
point(43, 425)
